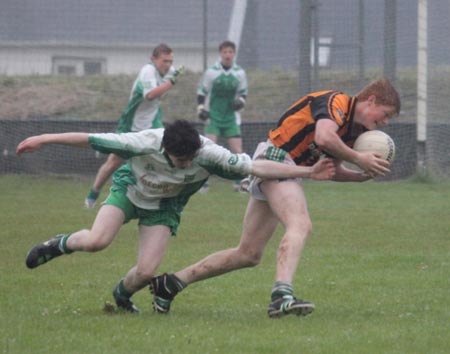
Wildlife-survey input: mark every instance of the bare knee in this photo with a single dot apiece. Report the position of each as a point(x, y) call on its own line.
point(248, 257)
point(301, 230)
point(307, 228)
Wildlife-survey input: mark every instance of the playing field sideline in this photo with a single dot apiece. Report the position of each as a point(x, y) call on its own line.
point(376, 267)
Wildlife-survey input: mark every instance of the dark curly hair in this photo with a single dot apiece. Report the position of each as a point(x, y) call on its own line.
point(181, 139)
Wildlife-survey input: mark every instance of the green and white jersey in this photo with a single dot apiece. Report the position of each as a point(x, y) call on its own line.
point(140, 113)
point(221, 87)
point(152, 181)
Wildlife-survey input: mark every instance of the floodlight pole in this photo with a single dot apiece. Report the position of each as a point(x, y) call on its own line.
point(361, 42)
point(422, 85)
point(390, 33)
point(205, 34)
point(237, 23)
point(305, 47)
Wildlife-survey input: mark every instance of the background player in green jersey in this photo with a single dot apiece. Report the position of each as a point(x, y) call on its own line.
point(143, 110)
point(165, 168)
point(221, 96)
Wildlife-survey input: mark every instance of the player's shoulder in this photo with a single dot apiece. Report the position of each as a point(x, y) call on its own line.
point(340, 98)
point(147, 139)
point(215, 67)
point(209, 147)
point(148, 68)
point(149, 134)
point(238, 68)
point(206, 142)
point(328, 97)
point(323, 93)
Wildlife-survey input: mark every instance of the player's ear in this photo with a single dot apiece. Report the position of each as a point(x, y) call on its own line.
point(372, 99)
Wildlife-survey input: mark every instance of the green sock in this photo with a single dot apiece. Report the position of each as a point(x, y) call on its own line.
point(281, 289)
point(121, 291)
point(93, 194)
point(63, 244)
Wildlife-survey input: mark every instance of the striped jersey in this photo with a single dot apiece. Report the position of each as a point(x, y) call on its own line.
point(140, 113)
point(151, 180)
point(221, 87)
point(296, 127)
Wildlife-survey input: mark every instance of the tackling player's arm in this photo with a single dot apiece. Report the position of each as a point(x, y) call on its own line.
point(222, 162)
point(34, 143)
point(344, 174)
point(322, 170)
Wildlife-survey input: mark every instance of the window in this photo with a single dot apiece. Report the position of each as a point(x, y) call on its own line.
point(66, 70)
point(323, 51)
point(92, 68)
point(78, 66)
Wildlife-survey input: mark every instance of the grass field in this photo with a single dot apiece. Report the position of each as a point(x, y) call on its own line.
point(376, 267)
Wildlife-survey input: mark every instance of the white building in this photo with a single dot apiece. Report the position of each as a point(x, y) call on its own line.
point(78, 37)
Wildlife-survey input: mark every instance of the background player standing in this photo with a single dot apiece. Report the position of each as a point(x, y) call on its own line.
point(221, 96)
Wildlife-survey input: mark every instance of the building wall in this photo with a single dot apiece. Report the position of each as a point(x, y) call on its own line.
point(31, 59)
point(270, 39)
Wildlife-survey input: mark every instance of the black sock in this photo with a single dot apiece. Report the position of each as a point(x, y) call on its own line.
point(175, 284)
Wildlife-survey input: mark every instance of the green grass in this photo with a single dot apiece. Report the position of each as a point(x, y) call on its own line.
point(376, 266)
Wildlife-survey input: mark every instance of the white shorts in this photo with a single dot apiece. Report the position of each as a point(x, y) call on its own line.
point(266, 151)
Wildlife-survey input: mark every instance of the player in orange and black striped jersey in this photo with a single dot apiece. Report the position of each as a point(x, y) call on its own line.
point(305, 129)
point(296, 128)
point(322, 122)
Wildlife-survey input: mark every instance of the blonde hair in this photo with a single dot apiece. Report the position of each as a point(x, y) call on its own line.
point(384, 92)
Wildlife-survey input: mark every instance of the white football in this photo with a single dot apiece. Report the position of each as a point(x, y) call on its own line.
point(378, 142)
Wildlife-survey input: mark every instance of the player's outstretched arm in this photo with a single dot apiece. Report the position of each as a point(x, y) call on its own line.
point(344, 174)
point(34, 143)
point(322, 170)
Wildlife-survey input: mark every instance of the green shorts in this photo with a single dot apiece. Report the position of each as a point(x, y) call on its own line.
point(118, 197)
point(232, 130)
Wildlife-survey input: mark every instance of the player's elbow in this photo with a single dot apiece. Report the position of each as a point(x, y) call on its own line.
point(150, 96)
point(322, 140)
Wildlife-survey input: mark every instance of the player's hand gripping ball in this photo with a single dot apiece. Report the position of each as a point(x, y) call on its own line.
point(377, 142)
point(374, 141)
